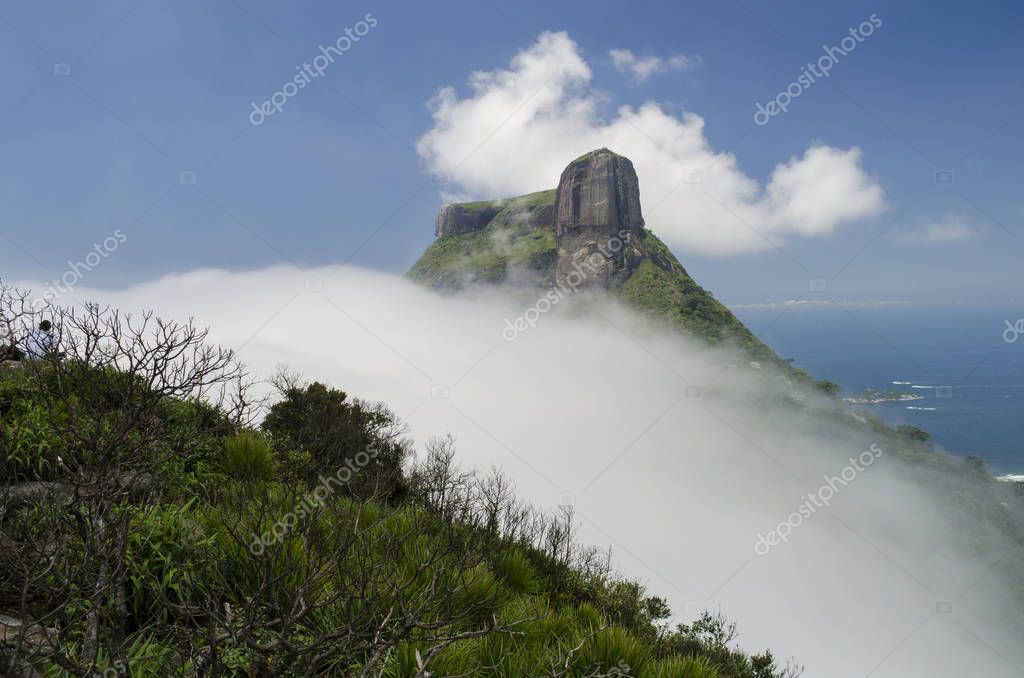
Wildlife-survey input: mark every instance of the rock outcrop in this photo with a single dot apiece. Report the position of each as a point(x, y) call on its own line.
point(459, 219)
point(598, 221)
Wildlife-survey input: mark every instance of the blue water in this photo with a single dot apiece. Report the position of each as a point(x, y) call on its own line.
point(956, 347)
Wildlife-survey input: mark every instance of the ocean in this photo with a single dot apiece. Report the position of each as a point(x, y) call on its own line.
point(963, 366)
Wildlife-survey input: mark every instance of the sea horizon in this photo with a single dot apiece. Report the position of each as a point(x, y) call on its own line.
point(966, 377)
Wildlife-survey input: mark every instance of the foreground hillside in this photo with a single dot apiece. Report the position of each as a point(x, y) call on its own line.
point(150, 527)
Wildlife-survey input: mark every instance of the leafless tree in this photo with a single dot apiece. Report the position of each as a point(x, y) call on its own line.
point(285, 379)
point(495, 496)
point(18, 312)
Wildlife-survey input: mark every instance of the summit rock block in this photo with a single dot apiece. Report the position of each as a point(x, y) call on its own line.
point(598, 221)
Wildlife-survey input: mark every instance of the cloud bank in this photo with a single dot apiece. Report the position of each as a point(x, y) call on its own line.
point(596, 408)
point(518, 127)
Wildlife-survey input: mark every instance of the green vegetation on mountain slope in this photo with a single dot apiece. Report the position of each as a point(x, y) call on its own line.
point(490, 255)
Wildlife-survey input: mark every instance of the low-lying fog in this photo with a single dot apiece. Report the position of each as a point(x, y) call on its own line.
point(591, 407)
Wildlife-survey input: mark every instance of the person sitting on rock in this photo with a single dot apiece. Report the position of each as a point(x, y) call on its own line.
point(41, 343)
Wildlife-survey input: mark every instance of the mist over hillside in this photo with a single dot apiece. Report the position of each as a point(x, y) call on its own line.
point(679, 456)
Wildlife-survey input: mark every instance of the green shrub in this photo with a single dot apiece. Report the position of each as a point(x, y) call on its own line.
point(480, 595)
point(625, 604)
point(685, 667)
point(248, 456)
point(163, 562)
point(914, 433)
point(613, 649)
point(827, 387)
point(335, 429)
point(712, 637)
point(516, 571)
point(589, 617)
point(95, 418)
point(322, 420)
point(31, 444)
point(975, 466)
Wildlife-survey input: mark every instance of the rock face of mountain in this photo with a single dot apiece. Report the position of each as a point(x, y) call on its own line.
point(587, 233)
point(598, 221)
point(456, 219)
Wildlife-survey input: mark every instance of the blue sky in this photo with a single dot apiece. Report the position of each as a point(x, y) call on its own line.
point(341, 175)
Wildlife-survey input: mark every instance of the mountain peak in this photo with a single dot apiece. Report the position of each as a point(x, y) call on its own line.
point(598, 220)
point(604, 150)
point(586, 233)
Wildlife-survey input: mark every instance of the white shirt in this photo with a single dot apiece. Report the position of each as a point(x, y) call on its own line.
point(40, 343)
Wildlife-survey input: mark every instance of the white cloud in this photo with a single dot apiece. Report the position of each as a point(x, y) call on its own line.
point(951, 228)
point(642, 68)
point(519, 127)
